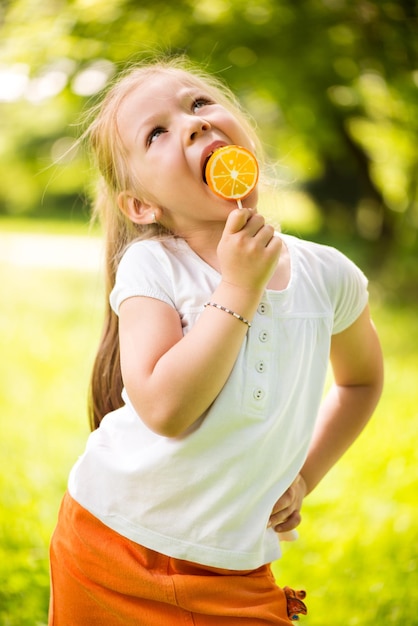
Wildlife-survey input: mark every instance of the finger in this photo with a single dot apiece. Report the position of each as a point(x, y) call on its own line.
point(265, 238)
point(289, 524)
point(281, 516)
point(255, 225)
point(278, 520)
point(265, 235)
point(262, 233)
point(237, 220)
point(275, 243)
point(284, 502)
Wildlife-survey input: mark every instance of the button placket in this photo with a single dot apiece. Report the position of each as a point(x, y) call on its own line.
point(263, 336)
point(258, 393)
point(260, 359)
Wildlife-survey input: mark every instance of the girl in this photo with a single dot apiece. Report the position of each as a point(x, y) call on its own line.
point(173, 512)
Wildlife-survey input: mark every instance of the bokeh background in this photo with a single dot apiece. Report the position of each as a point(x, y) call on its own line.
point(333, 85)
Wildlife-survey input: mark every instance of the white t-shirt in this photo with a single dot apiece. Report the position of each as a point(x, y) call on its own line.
point(207, 496)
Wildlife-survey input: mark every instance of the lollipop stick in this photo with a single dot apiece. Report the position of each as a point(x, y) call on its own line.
point(239, 204)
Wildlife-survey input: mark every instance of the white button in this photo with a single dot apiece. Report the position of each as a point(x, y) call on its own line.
point(262, 308)
point(263, 336)
point(258, 394)
point(260, 367)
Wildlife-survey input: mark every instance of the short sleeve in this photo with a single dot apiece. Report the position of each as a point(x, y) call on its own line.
point(350, 293)
point(143, 271)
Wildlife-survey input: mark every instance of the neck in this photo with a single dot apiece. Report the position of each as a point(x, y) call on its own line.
point(205, 243)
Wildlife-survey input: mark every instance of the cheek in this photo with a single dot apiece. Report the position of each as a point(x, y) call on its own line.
point(239, 135)
point(149, 172)
point(162, 181)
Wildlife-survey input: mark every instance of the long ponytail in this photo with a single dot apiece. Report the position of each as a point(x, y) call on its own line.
point(106, 378)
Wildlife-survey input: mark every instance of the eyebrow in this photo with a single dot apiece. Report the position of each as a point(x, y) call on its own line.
point(148, 123)
point(152, 120)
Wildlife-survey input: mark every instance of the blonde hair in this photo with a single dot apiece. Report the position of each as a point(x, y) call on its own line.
point(111, 160)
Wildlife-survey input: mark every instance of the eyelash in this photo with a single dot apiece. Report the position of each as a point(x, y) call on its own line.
point(152, 134)
point(202, 100)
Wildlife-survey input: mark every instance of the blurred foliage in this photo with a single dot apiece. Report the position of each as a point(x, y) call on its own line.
point(333, 85)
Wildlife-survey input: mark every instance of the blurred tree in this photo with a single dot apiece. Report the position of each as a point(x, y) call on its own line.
point(332, 83)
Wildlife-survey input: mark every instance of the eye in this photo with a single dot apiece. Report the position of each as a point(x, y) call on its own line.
point(198, 103)
point(154, 134)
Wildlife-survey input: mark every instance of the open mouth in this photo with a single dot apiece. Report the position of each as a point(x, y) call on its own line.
point(207, 153)
point(204, 167)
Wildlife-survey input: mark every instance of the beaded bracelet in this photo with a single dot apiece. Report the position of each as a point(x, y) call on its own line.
point(223, 308)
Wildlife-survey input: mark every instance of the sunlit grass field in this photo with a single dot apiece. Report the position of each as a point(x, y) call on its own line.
point(358, 546)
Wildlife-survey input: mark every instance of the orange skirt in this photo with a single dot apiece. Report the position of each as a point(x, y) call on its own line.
point(99, 577)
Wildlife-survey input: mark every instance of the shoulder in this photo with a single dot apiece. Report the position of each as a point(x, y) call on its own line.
point(145, 269)
point(312, 249)
point(331, 272)
point(330, 261)
point(149, 249)
point(164, 269)
point(150, 256)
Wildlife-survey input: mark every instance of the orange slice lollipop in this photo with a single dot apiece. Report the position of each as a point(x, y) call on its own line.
point(232, 172)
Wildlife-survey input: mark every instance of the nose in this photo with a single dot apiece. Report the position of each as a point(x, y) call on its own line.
point(198, 126)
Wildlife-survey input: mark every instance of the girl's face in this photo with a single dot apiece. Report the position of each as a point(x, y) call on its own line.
point(169, 128)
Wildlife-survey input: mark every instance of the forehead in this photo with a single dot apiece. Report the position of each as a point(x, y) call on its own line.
point(161, 88)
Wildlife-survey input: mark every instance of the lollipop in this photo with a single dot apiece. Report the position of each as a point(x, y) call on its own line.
point(232, 173)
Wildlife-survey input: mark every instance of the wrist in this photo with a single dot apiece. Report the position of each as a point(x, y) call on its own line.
point(244, 292)
point(243, 288)
point(304, 485)
point(229, 311)
point(243, 300)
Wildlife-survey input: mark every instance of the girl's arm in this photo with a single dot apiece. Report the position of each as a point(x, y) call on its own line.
point(172, 379)
point(357, 365)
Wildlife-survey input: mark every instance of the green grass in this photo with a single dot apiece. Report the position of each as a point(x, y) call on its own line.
point(50, 322)
point(66, 226)
point(357, 552)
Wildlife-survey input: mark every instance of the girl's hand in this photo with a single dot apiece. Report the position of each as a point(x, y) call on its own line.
point(286, 512)
point(248, 251)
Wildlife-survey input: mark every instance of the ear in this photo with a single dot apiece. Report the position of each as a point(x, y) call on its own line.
point(138, 211)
